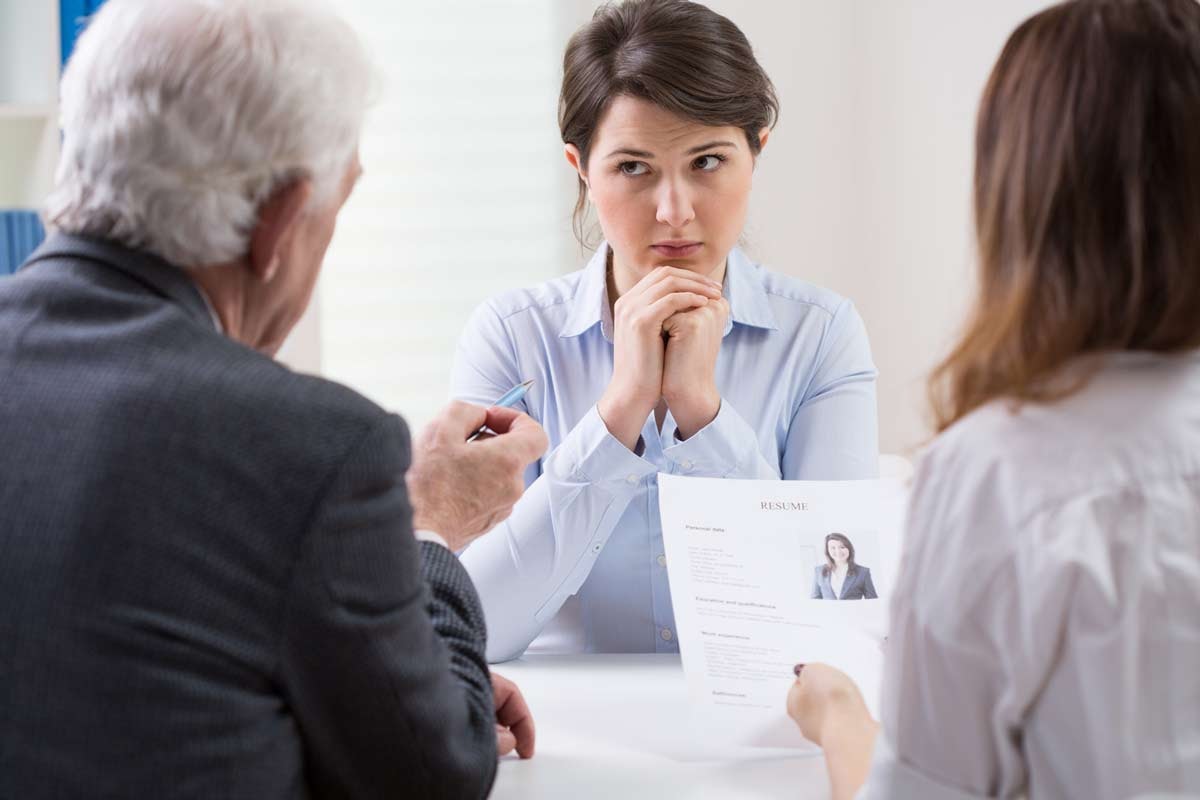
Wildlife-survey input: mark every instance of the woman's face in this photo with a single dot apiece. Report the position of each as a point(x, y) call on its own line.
point(838, 551)
point(667, 191)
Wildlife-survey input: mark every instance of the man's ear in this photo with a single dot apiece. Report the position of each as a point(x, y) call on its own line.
point(763, 135)
point(277, 220)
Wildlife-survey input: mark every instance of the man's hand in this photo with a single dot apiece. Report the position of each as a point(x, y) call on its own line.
point(689, 383)
point(461, 490)
point(831, 713)
point(514, 723)
point(638, 315)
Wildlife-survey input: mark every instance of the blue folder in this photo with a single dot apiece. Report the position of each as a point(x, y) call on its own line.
point(72, 16)
point(20, 234)
point(21, 231)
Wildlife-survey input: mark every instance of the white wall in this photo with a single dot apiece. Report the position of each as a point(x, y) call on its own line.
point(924, 66)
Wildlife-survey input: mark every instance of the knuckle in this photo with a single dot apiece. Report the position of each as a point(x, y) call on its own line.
point(512, 463)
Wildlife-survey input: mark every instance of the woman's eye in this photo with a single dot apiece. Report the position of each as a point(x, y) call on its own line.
point(707, 163)
point(633, 168)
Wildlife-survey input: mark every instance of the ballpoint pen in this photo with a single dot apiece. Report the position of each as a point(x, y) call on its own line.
point(507, 400)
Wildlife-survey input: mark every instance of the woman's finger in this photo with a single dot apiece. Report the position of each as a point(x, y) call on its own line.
point(658, 312)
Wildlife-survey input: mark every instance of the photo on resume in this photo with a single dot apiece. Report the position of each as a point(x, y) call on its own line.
point(839, 564)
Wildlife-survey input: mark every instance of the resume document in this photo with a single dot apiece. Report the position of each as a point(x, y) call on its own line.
point(767, 574)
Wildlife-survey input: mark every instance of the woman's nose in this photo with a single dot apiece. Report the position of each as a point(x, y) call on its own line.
point(675, 205)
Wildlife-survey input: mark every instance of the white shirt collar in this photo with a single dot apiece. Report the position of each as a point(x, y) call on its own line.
point(212, 312)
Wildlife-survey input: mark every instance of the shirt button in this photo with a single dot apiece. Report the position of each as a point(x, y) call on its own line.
point(687, 465)
point(666, 634)
point(662, 560)
point(631, 479)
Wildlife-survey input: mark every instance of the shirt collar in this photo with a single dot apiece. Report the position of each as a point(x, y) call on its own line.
point(589, 306)
point(748, 301)
point(212, 311)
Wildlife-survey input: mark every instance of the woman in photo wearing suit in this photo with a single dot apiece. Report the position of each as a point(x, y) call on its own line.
point(840, 578)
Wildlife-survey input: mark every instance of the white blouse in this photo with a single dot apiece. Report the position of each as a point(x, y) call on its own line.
point(1045, 626)
point(836, 581)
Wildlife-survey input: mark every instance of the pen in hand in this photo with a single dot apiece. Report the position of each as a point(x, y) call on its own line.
point(508, 400)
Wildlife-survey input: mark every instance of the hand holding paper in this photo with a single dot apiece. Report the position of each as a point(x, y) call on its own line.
point(751, 564)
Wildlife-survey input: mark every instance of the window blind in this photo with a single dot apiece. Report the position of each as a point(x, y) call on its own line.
point(465, 191)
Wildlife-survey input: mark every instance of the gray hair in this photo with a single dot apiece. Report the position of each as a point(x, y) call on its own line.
point(180, 118)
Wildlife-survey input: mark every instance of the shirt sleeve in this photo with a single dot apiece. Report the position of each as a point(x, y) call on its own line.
point(950, 707)
point(430, 536)
point(727, 447)
point(527, 567)
point(834, 432)
point(892, 779)
point(977, 624)
point(382, 646)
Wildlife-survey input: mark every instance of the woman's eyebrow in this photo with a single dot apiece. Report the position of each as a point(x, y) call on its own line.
point(711, 146)
point(625, 151)
point(629, 151)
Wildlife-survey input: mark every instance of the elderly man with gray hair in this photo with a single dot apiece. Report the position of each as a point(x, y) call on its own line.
point(213, 584)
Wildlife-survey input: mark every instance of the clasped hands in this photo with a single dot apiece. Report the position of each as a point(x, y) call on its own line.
point(667, 332)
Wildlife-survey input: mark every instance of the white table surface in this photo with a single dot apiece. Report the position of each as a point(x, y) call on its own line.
point(617, 726)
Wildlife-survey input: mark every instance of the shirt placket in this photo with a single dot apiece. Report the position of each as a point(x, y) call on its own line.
point(665, 637)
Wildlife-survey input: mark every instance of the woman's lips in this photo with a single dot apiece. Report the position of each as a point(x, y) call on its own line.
point(676, 249)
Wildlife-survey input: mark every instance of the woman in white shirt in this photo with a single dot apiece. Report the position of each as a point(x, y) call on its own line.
point(1045, 627)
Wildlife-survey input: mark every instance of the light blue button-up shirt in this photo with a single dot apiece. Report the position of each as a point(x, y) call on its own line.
point(582, 554)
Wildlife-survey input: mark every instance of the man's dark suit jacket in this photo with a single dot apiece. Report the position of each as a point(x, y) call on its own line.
point(209, 585)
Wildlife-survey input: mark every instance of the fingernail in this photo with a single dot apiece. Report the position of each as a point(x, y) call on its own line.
point(797, 669)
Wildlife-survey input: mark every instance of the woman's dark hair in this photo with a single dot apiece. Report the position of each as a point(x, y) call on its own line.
point(681, 56)
point(1087, 202)
point(829, 565)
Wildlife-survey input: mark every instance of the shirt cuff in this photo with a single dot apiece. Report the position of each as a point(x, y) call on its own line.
point(593, 455)
point(726, 446)
point(431, 536)
point(891, 779)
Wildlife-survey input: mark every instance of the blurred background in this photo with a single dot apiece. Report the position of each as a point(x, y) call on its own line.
point(864, 187)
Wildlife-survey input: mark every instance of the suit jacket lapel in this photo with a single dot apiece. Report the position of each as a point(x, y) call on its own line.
point(847, 584)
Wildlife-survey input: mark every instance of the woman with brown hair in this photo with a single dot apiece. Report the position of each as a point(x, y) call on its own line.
point(1045, 626)
point(671, 351)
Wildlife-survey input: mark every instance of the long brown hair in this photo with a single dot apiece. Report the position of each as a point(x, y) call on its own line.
point(682, 56)
point(1087, 202)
